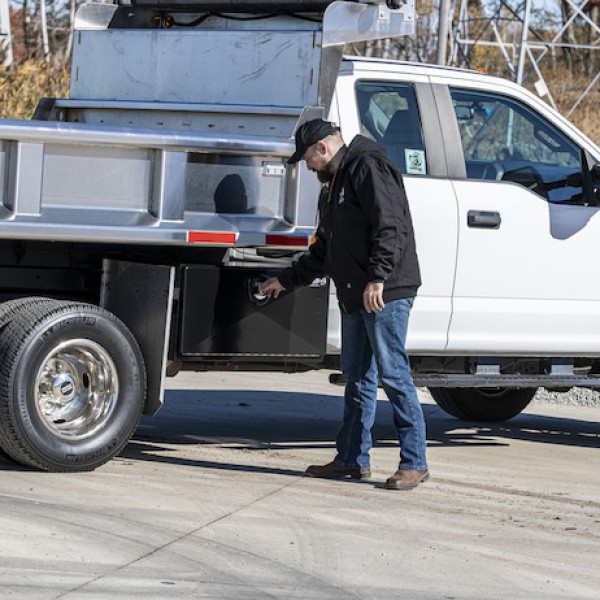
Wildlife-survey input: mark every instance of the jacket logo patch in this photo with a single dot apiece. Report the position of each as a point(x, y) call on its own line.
point(341, 197)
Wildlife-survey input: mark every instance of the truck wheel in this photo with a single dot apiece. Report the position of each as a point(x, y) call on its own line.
point(483, 404)
point(72, 386)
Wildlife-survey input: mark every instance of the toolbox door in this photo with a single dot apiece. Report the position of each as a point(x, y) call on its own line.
point(221, 317)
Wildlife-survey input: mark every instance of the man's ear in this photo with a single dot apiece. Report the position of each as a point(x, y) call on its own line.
point(322, 147)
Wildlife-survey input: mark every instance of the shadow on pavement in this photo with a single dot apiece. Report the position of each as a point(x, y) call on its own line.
point(266, 420)
point(154, 452)
point(285, 420)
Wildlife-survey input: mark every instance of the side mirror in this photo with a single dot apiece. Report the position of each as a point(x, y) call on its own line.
point(595, 172)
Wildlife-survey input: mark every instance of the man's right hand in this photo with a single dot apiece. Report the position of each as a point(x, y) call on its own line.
point(271, 287)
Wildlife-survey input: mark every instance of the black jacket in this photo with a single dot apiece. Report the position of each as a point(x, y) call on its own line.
point(365, 231)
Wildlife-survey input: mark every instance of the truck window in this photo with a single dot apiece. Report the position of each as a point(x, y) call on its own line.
point(389, 115)
point(503, 139)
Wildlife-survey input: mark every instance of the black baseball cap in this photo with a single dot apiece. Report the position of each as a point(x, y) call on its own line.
point(310, 133)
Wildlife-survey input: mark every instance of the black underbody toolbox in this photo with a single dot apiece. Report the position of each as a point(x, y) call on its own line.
point(221, 317)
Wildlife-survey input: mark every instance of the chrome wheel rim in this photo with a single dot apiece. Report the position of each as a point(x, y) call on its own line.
point(76, 389)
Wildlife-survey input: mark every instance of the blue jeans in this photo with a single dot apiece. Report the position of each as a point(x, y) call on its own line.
point(373, 343)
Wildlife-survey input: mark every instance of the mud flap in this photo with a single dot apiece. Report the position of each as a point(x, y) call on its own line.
point(141, 295)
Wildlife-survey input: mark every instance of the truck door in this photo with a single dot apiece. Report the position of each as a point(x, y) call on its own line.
point(527, 252)
point(400, 113)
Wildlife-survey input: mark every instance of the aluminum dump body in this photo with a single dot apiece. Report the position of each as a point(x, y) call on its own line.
point(179, 124)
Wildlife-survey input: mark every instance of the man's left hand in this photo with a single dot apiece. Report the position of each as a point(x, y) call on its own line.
point(373, 297)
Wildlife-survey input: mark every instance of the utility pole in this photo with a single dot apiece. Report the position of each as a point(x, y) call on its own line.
point(71, 31)
point(523, 49)
point(443, 32)
point(44, 24)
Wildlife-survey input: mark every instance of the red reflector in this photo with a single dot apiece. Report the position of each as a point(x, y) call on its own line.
point(211, 237)
point(286, 240)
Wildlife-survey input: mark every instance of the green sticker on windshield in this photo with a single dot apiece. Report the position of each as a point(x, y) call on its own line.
point(415, 161)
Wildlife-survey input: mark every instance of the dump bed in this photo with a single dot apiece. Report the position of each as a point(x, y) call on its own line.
point(180, 121)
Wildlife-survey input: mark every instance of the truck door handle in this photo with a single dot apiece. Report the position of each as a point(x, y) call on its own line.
point(484, 219)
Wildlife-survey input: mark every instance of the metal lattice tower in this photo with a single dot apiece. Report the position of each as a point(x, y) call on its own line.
point(5, 34)
point(508, 28)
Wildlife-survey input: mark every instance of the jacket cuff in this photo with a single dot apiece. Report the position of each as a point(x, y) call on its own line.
point(376, 274)
point(286, 279)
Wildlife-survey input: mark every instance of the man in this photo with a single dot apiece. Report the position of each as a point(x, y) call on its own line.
point(365, 243)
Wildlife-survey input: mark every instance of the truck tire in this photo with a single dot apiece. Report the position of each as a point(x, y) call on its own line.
point(9, 308)
point(72, 386)
point(483, 404)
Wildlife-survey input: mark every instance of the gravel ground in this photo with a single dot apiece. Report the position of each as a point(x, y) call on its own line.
point(575, 396)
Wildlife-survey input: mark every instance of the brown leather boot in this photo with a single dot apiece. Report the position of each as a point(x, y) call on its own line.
point(334, 471)
point(406, 479)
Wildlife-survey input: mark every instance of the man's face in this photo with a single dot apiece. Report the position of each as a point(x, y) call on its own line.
point(318, 159)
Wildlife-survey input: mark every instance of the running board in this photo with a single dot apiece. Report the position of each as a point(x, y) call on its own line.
point(487, 381)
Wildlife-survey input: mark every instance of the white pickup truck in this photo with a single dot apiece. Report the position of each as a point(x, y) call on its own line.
point(138, 217)
point(504, 199)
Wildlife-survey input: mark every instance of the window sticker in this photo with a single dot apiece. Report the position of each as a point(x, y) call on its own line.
point(415, 161)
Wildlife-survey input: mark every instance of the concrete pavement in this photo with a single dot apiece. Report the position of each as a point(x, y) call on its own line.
point(209, 501)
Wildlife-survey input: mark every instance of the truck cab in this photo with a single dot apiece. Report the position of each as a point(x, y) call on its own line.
point(504, 197)
point(503, 202)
